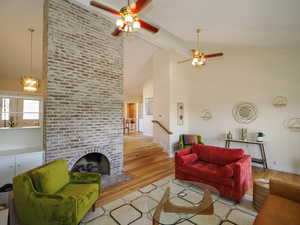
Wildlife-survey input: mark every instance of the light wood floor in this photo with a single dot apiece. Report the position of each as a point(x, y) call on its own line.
point(147, 163)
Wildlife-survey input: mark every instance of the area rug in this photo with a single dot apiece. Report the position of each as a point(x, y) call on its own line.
point(133, 209)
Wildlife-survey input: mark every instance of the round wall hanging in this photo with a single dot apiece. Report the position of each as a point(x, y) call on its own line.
point(244, 112)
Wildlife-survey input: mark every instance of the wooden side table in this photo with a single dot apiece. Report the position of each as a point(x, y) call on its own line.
point(261, 190)
point(262, 160)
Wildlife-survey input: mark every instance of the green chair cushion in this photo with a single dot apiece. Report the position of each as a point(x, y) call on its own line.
point(51, 178)
point(84, 194)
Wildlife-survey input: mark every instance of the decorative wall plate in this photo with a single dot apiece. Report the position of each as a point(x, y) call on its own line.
point(180, 113)
point(293, 124)
point(206, 114)
point(280, 101)
point(244, 112)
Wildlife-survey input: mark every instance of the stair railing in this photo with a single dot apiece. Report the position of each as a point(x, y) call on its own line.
point(163, 127)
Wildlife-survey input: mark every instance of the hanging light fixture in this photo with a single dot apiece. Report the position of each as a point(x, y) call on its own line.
point(128, 21)
point(198, 57)
point(30, 83)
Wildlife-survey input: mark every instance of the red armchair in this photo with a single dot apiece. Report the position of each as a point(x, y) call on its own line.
point(228, 170)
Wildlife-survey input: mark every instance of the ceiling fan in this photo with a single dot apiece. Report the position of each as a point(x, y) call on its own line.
point(199, 58)
point(128, 20)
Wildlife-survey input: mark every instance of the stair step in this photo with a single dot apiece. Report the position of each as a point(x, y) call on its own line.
point(146, 164)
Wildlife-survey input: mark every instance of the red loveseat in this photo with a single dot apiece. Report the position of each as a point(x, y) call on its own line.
point(228, 170)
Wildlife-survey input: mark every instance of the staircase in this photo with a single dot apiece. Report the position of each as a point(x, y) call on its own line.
point(145, 163)
point(150, 157)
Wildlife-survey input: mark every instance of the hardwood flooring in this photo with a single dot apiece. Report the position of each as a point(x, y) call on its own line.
point(146, 163)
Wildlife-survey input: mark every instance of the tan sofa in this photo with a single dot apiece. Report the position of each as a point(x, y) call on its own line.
point(282, 206)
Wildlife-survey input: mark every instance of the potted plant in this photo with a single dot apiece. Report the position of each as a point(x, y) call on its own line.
point(260, 136)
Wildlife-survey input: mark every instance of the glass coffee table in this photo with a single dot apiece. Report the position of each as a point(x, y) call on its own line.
point(181, 200)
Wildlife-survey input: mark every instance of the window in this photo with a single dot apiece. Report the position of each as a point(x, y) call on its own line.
point(5, 109)
point(31, 109)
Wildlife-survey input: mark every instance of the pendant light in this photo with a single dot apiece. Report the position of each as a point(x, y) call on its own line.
point(30, 84)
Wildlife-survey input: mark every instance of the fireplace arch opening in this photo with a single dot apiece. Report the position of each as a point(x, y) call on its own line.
point(93, 162)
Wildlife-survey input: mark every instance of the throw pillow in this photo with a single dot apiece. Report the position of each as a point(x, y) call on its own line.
point(217, 155)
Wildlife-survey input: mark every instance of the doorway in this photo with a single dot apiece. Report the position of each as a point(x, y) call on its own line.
point(131, 118)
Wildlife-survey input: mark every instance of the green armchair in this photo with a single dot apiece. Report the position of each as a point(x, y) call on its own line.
point(187, 140)
point(50, 195)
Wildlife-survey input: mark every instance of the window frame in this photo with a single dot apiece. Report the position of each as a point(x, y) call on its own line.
point(3, 112)
point(33, 113)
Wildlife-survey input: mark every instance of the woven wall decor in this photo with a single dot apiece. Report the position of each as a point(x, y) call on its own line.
point(280, 101)
point(244, 112)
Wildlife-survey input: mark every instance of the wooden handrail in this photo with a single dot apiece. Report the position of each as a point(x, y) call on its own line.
point(162, 126)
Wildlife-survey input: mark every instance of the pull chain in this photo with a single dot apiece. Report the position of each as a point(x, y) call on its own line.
point(198, 39)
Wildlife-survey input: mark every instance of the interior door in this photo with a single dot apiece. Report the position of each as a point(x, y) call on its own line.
point(28, 161)
point(131, 110)
point(7, 169)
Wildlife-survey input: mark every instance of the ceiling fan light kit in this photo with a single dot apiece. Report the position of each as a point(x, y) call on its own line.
point(199, 58)
point(128, 20)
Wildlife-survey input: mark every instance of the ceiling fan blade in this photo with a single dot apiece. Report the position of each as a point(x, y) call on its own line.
point(214, 55)
point(116, 32)
point(139, 5)
point(183, 61)
point(148, 26)
point(104, 7)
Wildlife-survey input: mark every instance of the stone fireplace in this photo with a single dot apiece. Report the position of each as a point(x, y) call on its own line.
point(83, 107)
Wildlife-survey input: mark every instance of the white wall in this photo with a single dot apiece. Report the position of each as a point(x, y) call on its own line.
point(147, 126)
point(179, 93)
point(251, 74)
point(170, 87)
point(162, 97)
point(20, 138)
point(133, 98)
point(256, 75)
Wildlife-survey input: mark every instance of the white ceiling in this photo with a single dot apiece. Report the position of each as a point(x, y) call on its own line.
point(137, 64)
point(234, 22)
point(238, 22)
point(16, 16)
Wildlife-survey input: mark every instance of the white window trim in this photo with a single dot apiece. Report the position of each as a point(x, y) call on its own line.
point(2, 109)
point(38, 113)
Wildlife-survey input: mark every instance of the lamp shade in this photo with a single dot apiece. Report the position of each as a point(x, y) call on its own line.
point(30, 84)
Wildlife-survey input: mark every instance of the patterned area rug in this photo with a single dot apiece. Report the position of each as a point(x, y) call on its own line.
point(134, 209)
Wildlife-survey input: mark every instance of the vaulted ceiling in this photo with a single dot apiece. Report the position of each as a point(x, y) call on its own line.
point(233, 22)
point(16, 17)
point(137, 64)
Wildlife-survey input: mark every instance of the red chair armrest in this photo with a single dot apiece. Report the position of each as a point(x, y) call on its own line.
point(187, 159)
point(242, 173)
point(185, 151)
point(180, 153)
